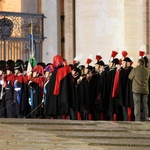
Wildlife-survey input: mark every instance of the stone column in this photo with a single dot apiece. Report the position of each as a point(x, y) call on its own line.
point(134, 26)
point(99, 27)
point(51, 45)
point(69, 30)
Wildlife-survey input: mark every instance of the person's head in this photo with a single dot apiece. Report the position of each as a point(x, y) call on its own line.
point(146, 61)
point(37, 71)
point(112, 64)
point(100, 64)
point(48, 70)
point(141, 62)
point(126, 62)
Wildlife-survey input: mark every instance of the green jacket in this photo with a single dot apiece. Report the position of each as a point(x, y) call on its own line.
point(140, 77)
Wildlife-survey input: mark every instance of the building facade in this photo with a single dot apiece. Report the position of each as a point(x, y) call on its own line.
point(84, 27)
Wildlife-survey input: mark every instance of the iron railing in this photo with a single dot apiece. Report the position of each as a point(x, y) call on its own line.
point(16, 45)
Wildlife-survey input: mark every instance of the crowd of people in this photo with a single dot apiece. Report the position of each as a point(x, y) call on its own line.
point(73, 91)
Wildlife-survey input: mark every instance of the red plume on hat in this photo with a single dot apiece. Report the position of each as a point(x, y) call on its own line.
point(114, 53)
point(98, 57)
point(142, 50)
point(89, 59)
point(124, 53)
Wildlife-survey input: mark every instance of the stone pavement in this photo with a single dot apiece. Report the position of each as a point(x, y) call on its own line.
point(42, 134)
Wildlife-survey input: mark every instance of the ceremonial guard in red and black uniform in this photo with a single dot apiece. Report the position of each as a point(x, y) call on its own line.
point(2, 89)
point(36, 92)
point(100, 106)
point(110, 82)
point(125, 90)
point(63, 87)
point(117, 109)
point(9, 89)
point(76, 73)
point(21, 94)
point(78, 83)
point(48, 73)
point(84, 90)
point(60, 91)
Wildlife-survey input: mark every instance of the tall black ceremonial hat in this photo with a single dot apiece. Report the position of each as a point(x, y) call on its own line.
point(10, 65)
point(2, 65)
point(19, 65)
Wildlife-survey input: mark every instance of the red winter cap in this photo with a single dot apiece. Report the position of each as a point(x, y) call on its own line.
point(88, 61)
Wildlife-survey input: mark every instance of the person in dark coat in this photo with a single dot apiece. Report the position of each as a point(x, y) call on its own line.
point(9, 89)
point(48, 73)
point(76, 73)
point(36, 92)
point(112, 110)
point(60, 89)
point(100, 103)
point(63, 88)
point(2, 89)
point(21, 94)
point(125, 90)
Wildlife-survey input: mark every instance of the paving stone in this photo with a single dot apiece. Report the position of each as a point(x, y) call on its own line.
point(44, 134)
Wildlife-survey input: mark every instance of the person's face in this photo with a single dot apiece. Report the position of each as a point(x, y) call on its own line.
point(101, 68)
point(8, 72)
point(97, 67)
point(1, 72)
point(110, 64)
point(47, 74)
point(85, 71)
point(124, 64)
point(25, 72)
point(118, 66)
point(35, 74)
point(16, 72)
point(129, 64)
point(73, 72)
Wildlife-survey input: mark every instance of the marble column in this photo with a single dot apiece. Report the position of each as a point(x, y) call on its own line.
point(134, 26)
point(99, 27)
point(51, 45)
point(69, 30)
